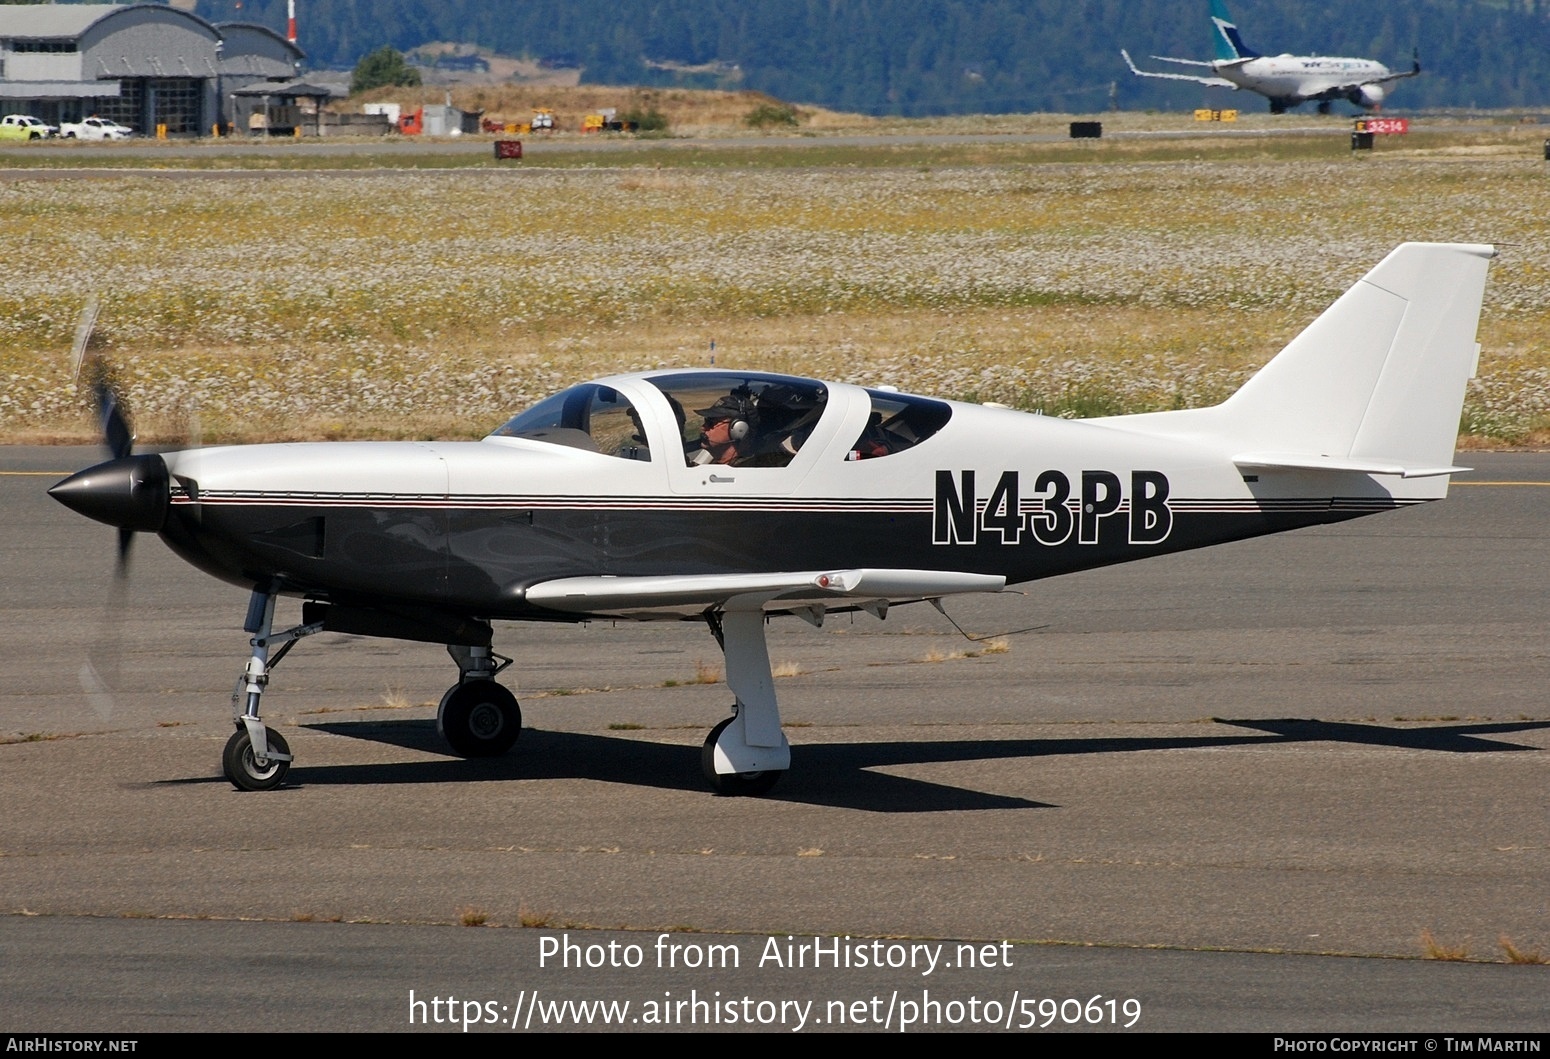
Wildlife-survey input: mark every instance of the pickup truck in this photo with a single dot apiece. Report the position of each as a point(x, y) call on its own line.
point(94, 128)
point(24, 127)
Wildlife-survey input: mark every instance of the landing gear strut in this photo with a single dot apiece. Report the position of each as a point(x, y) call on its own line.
point(747, 753)
point(256, 759)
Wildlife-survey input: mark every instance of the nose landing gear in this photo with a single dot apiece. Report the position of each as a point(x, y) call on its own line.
point(256, 759)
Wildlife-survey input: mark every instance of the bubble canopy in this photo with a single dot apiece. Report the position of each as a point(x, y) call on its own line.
point(745, 419)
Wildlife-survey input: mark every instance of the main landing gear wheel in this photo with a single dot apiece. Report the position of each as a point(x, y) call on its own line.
point(479, 718)
point(242, 765)
point(735, 784)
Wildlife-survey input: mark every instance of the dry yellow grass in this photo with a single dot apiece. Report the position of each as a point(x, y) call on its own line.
point(1521, 956)
point(528, 917)
point(688, 111)
point(1432, 949)
point(438, 304)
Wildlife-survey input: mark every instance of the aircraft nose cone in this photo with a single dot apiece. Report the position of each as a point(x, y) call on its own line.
point(131, 493)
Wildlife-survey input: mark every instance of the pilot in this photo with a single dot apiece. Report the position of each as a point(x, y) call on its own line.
point(727, 432)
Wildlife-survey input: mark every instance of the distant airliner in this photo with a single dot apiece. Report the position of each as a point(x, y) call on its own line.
point(1286, 80)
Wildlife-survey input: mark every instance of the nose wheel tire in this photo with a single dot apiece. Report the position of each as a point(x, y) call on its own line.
point(734, 784)
point(479, 718)
point(242, 765)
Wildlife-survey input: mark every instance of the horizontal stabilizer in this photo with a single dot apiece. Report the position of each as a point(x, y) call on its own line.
point(1215, 82)
point(1181, 62)
point(1366, 465)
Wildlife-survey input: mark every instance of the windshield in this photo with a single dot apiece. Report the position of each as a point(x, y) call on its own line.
point(591, 417)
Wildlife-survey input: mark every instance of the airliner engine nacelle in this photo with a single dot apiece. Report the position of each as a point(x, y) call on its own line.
point(1369, 96)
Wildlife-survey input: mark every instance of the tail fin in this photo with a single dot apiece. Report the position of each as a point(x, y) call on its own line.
point(1375, 385)
point(1225, 36)
point(1379, 377)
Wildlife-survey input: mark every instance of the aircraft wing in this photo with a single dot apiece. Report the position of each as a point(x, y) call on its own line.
point(1340, 91)
point(1215, 82)
point(808, 592)
point(1415, 68)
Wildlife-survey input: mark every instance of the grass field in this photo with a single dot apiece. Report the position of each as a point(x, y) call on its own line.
point(283, 297)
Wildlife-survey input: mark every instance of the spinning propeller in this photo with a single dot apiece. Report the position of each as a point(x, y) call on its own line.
point(130, 492)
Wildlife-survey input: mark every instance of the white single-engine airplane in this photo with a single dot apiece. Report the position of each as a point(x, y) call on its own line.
point(726, 497)
point(1286, 80)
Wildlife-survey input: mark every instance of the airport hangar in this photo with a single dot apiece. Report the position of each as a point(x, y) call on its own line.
point(142, 65)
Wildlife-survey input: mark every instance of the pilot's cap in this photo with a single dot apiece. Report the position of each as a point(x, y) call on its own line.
point(728, 407)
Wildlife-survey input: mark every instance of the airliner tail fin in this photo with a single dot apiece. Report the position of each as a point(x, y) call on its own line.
point(1225, 37)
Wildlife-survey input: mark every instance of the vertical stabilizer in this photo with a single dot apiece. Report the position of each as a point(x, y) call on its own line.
point(1380, 376)
point(1225, 38)
point(1375, 385)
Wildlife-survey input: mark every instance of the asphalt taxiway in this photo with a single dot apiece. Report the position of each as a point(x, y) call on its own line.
point(1257, 758)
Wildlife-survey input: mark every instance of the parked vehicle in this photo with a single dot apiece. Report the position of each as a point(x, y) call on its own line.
point(94, 128)
point(24, 127)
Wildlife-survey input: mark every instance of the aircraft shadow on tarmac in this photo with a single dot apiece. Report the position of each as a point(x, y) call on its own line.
point(1450, 738)
point(840, 775)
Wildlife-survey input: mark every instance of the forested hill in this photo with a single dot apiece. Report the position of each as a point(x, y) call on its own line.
point(920, 57)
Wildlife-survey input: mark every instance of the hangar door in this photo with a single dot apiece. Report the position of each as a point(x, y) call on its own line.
point(146, 102)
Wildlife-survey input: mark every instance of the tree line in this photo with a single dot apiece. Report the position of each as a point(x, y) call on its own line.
point(920, 57)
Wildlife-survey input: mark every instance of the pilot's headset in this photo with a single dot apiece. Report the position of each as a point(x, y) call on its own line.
point(742, 423)
point(747, 419)
point(739, 410)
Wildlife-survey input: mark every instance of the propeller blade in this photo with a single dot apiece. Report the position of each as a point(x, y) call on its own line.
point(101, 672)
point(193, 428)
point(116, 431)
point(126, 540)
point(83, 329)
point(131, 495)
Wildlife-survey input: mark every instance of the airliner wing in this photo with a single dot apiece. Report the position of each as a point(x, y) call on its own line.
point(1346, 90)
point(1215, 82)
point(1414, 69)
point(807, 592)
